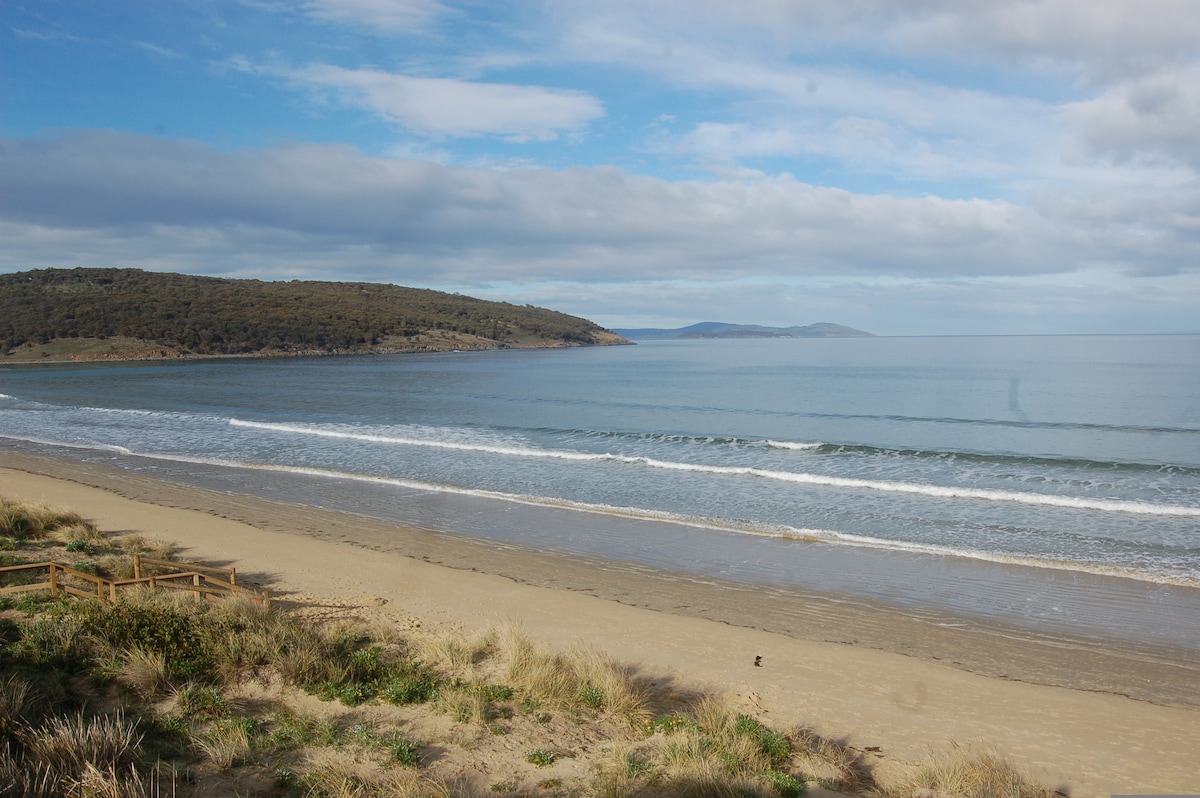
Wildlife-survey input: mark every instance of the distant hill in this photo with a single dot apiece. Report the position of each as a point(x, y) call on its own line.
point(716, 329)
point(90, 314)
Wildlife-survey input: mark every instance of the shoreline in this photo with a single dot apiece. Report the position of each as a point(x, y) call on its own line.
point(1074, 717)
point(1157, 674)
point(138, 351)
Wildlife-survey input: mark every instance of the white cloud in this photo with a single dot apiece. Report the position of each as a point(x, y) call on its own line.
point(1156, 116)
point(472, 224)
point(1094, 39)
point(386, 16)
point(451, 107)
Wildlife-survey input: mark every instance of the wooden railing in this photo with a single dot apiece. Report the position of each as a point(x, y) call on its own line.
point(201, 580)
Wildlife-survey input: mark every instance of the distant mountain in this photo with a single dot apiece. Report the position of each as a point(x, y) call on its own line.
point(716, 329)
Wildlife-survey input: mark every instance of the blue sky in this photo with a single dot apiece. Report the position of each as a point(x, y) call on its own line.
point(907, 167)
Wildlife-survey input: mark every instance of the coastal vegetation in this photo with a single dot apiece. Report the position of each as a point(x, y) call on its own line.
point(157, 694)
point(129, 313)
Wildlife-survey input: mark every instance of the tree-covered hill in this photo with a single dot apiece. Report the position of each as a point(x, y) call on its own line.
point(65, 312)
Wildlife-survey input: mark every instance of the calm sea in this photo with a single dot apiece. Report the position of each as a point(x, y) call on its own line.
point(917, 471)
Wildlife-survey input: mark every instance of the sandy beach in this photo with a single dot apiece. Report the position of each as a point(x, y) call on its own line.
point(1087, 720)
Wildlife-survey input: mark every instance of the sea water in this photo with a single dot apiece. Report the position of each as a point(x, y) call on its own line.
point(904, 469)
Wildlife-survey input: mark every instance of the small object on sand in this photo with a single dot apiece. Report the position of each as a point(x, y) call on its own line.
point(758, 661)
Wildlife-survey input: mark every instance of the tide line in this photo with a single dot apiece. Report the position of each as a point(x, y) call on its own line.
point(778, 532)
point(802, 478)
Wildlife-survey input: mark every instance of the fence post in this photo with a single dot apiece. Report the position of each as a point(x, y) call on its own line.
point(233, 576)
point(137, 566)
point(53, 580)
point(196, 583)
point(112, 592)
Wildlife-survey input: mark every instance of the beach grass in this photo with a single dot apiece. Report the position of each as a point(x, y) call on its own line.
point(157, 694)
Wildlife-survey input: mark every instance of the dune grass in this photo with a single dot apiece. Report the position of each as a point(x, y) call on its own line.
point(155, 695)
point(23, 520)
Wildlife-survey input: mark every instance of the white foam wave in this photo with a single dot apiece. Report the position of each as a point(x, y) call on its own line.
point(936, 491)
point(794, 445)
point(802, 478)
point(825, 536)
point(517, 451)
point(98, 447)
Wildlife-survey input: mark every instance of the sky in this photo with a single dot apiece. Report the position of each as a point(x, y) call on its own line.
point(906, 167)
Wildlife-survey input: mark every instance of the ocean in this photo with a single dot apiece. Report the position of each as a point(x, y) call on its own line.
point(1051, 483)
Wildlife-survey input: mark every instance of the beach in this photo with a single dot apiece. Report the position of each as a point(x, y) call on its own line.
point(1083, 719)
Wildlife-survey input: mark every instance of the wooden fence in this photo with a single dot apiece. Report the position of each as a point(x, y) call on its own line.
point(201, 580)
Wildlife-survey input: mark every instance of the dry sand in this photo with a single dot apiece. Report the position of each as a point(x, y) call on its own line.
point(1060, 712)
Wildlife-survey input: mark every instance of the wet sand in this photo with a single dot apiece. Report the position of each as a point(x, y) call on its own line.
point(1087, 718)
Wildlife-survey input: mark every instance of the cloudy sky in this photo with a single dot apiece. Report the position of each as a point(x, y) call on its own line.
point(907, 167)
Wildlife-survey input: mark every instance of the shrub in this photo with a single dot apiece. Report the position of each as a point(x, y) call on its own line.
point(152, 624)
point(52, 642)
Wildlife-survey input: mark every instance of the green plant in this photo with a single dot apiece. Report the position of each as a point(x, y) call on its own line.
point(285, 778)
point(494, 692)
point(81, 546)
point(292, 730)
point(52, 642)
point(591, 696)
point(784, 784)
point(403, 752)
point(31, 603)
point(201, 701)
point(668, 724)
point(776, 746)
point(410, 688)
point(88, 567)
point(541, 757)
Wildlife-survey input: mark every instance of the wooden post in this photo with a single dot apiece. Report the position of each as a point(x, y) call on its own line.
point(53, 580)
point(196, 583)
point(233, 576)
point(266, 599)
point(112, 592)
point(137, 566)
point(99, 590)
